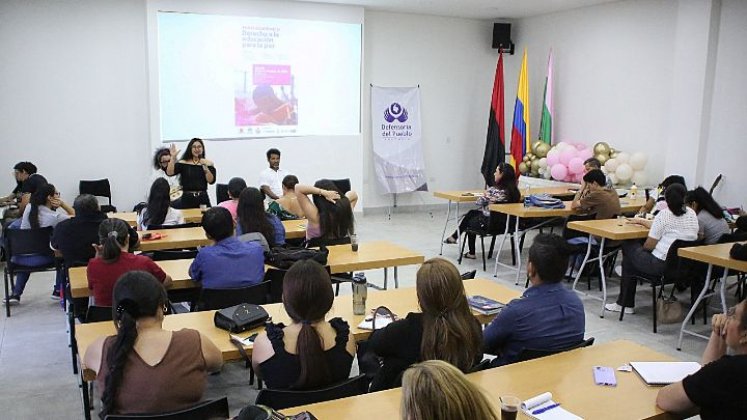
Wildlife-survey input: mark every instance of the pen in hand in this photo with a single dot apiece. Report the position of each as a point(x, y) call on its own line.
point(543, 409)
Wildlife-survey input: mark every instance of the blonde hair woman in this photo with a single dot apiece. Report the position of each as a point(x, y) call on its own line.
point(435, 390)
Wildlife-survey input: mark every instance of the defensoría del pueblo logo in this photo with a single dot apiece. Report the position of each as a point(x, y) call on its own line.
point(395, 112)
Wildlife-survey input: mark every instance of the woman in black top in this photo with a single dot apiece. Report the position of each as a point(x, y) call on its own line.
point(445, 330)
point(196, 173)
point(321, 353)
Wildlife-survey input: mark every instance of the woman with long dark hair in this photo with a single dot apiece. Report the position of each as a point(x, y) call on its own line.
point(674, 222)
point(158, 210)
point(144, 368)
point(444, 330)
point(161, 159)
point(329, 213)
point(504, 191)
point(310, 352)
point(195, 172)
point(252, 218)
point(42, 211)
point(112, 261)
point(711, 222)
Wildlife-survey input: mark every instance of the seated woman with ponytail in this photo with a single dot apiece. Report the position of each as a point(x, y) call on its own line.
point(112, 260)
point(310, 352)
point(145, 369)
point(445, 330)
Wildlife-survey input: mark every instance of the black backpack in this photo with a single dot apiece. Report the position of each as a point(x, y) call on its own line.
point(283, 258)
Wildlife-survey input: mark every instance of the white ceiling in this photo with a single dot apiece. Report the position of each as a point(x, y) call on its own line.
point(474, 9)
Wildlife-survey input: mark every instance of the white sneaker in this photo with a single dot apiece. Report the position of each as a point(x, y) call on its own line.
point(619, 270)
point(614, 307)
point(12, 301)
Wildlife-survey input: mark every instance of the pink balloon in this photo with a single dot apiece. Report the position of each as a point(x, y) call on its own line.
point(553, 160)
point(559, 171)
point(576, 165)
point(566, 156)
point(585, 153)
point(580, 146)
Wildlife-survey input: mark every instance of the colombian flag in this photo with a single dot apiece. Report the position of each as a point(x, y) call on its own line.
point(520, 130)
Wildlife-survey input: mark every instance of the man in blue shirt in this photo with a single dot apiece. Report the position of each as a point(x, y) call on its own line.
point(548, 316)
point(229, 263)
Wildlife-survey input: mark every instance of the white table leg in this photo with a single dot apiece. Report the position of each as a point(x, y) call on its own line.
point(694, 306)
point(602, 277)
point(446, 224)
point(583, 264)
point(507, 231)
point(723, 290)
point(518, 250)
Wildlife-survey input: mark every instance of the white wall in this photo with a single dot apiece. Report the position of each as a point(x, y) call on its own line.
point(74, 93)
point(612, 66)
point(453, 63)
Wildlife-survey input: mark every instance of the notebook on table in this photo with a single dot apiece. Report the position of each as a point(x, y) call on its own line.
point(664, 373)
point(483, 305)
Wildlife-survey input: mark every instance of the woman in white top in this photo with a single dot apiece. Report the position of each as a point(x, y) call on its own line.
point(159, 210)
point(676, 222)
point(161, 160)
point(710, 216)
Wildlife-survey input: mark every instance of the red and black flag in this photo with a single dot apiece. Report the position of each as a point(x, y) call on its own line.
point(495, 146)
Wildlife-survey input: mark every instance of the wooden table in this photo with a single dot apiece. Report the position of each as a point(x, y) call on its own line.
point(195, 236)
point(372, 255)
point(519, 211)
point(612, 229)
point(567, 375)
point(189, 215)
point(470, 196)
point(400, 301)
point(717, 255)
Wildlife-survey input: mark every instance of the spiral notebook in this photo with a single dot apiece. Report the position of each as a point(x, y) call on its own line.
point(664, 373)
point(542, 407)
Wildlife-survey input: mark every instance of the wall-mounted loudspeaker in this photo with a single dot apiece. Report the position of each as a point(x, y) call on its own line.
point(502, 37)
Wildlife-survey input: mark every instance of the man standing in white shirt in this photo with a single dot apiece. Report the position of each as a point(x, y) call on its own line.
point(271, 179)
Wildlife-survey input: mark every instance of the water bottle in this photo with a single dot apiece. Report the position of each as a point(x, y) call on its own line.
point(360, 292)
point(633, 192)
point(527, 202)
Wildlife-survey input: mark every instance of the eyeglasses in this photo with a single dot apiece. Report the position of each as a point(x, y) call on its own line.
point(731, 313)
point(56, 193)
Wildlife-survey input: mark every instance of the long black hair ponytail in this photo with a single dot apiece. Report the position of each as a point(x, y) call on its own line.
point(137, 294)
point(39, 198)
point(112, 235)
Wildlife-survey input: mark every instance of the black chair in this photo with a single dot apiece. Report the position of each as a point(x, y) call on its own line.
point(279, 399)
point(98, 314)
point(137, 208)
point(26, 242)
point(675, 269)
point(485, 364)
point(221, 193)
point(319, 242)
point(529, 354)
point(206, 410)
point(178, 226)
point(342, 184)
point(211, 299)
point(98, 188)
point(469, 275)
point(496, 226)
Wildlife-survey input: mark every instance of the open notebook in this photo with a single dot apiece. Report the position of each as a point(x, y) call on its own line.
point(664, 373)
point(542, 407)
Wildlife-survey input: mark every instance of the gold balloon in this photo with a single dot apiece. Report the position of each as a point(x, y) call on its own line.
point(542, 150)
point(613, 155)
point(602, 158)
point(523, 168)
point(526, 158)
point(535, 165)
point(536, 144)
point(602, 148)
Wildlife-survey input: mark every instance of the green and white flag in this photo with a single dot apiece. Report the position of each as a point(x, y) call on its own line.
point(545, 133)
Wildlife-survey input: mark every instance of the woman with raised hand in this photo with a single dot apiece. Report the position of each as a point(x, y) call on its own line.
point(113, 260)
point(195, 173)
point(158, 210)
point(329, 213)
point(144, 368)
point(436, 390)
point(311, 352)
point(444, 330)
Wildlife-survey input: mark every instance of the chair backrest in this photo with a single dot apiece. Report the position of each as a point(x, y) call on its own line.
point(28, 242)
point(342, 184)
point(485, 364)
point(529, 354)
point(221, 193)
point(211, 299)
point(206, 410)
point(169, 255)
point(179, 226)
point(732, 237)
point(317, 242)
point(98, 314)
point(469, 275)
point(280, 399)
point(99, 188)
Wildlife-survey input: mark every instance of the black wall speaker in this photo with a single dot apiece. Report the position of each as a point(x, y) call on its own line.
point(502, 37)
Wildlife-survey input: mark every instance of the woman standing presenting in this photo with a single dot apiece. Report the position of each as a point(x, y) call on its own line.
point(195, 172)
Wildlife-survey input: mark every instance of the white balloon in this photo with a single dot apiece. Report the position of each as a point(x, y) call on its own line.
point(611, 165)
point(547, 175)
point(622, 157)
point(552, 152)
point(639, 178)
point(624, 172)
point(638, 161)
point(614, 179)
point(543, 163)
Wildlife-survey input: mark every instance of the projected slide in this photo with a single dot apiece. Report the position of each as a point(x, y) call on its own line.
point(228, 77)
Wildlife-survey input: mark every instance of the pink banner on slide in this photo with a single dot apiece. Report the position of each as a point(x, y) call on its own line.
point(271, 74)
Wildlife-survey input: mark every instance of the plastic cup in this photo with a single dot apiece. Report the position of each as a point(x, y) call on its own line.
point(354, 242)
point(620, 220)
point(510, 406)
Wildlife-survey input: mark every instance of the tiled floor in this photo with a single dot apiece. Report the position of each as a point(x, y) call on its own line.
point(35, 360)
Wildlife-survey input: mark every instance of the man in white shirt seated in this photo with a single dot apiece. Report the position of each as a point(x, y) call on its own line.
point(271, 179)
